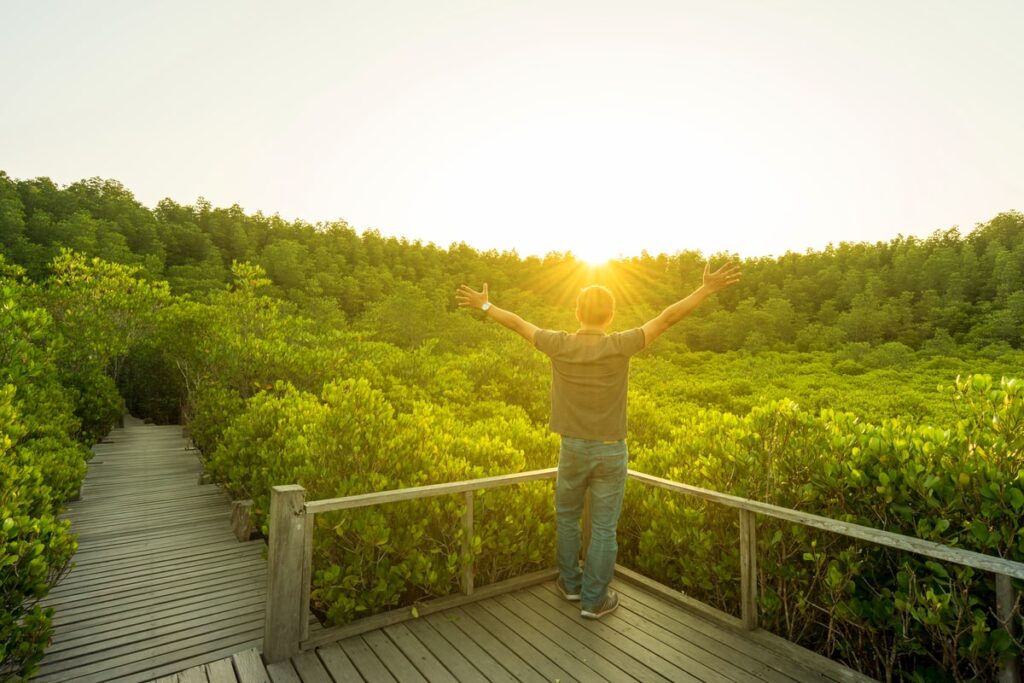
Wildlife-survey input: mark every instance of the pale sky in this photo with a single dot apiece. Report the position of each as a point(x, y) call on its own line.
point(599, 127)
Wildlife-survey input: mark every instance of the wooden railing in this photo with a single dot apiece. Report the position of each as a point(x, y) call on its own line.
point(291, 534)
point(290, 555)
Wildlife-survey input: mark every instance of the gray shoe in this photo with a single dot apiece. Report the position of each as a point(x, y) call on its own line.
point(608, 605)
point(573, 597)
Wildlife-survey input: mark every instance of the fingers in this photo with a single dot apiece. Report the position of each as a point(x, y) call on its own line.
point(467, 296)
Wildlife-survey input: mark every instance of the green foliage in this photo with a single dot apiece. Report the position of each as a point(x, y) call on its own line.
point(316, 355)
point(886, 612)
point(350, 440)
point(40, 466)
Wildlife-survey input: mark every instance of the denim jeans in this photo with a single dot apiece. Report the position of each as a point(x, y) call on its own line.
point(601, 467)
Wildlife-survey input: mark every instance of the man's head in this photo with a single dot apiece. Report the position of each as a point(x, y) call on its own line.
point(595, 306)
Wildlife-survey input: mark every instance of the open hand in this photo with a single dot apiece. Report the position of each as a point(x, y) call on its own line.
point(727, 275)
point(466, 296)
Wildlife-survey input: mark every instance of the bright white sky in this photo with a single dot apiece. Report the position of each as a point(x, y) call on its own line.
point(601, 127)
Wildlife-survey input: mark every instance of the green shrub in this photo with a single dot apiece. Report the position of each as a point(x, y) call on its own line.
point(35, 548)
point(349, 441)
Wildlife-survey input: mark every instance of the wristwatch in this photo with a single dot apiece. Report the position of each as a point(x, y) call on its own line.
point(487, 304)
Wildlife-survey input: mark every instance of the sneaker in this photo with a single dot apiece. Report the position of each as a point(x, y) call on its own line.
point(573, 597)
point(608, 605)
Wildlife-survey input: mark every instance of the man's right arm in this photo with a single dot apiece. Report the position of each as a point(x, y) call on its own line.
point(727, 275)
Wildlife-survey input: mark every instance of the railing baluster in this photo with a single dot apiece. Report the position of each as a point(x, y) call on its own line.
point(748, 569)
point(307, 575)
point(282, 629)
point(1006, 612)
point(467, 544)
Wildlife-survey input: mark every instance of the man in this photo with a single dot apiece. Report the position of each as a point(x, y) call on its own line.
point(590, 372)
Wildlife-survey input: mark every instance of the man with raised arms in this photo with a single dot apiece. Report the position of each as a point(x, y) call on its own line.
point(589, 377)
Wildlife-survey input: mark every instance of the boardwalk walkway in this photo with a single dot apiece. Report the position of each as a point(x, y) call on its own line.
point(161, 590)
point(159, 583)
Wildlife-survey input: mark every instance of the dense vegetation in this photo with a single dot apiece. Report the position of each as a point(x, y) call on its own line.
point(311, 354)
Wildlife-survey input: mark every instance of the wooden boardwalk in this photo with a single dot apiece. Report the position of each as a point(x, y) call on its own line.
point(534, 635)
point(159, 583)
point(161, 590)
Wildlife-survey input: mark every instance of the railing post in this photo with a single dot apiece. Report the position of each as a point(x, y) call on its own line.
point(467, 544)
point(1006, 612)
point(587, 527)
point(282, 628)
point(307, 573)
point(748, 569)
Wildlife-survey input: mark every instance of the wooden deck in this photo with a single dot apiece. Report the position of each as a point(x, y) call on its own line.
point(159, 583)
point(161, 590)
point(535, 635)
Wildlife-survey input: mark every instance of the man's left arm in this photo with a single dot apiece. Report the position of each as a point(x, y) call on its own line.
point(470, 298)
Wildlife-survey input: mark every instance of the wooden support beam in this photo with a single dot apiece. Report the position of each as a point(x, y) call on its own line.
point(1006, 612)
point(748, 569)
point(241, 519)
point(307, 574)
point(282, 629)
point(467, 544)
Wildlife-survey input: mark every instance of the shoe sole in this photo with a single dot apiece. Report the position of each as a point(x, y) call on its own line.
point(571, 597)
point(587, 614)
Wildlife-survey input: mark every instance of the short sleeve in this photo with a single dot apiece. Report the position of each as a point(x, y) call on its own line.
point(631, 341)
point(548, 341)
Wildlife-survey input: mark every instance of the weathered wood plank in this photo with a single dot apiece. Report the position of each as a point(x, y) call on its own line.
point(424, 661)
point(283, 672)
point(601, 636)
point(310, 669)
point(386, 651)
point(513, 663)
point(721, 642)
point(544, 664)
point(104, 643)
point(365, 660)
point(583, 663)
point(446, 653)
point(195, 674)
point(367, 624)
point(100, 592)
point(221, 671)
point(810, 660)
point(249, 667)
point(482, 660)
point(338, 663)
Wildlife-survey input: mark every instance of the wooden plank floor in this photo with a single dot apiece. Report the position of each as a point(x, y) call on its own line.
point(535, 635)
point(159, 582)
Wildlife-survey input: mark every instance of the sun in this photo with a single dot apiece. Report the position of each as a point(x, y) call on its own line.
point(594, 255)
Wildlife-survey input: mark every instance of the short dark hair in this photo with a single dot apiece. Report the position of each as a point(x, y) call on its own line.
point(595, 305)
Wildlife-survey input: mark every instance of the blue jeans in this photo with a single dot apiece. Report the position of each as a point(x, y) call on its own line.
point(601, 467)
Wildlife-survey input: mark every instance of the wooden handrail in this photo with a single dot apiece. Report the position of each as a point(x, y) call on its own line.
point(969, 558)
point(429, 491)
